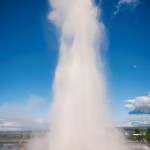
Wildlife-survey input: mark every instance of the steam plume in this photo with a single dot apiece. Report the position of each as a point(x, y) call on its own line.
point(79, 117)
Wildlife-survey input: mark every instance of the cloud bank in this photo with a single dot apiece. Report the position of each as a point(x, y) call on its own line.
point(19, 117)
point(135, 121)
point(7, 124)
point(18, 110)
point(131, 4)
point(139, 105)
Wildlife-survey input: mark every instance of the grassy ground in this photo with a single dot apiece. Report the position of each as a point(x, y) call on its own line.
point(14, 140)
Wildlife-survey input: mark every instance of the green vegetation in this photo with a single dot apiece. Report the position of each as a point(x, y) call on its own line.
point(19, 135)
point(15, 135)
point(137, 131)
point(138, 134)
point(147, 135)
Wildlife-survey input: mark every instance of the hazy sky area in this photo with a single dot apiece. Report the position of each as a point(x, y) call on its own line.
point(28, 56)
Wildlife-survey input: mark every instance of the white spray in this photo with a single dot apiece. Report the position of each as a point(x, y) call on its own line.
point(80, 118)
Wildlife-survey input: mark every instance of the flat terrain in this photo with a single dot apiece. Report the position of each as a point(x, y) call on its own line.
point(19, 140)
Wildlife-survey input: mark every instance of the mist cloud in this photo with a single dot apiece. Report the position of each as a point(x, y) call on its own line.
point(131, 4)
point(139, 105)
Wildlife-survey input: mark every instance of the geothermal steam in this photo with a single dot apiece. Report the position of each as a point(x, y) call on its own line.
point(79, 117)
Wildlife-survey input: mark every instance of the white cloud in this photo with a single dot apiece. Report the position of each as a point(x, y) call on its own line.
point(33, 103)
point(16, 110)
point(132, 4)
point(135, 121)
point(139, 105)
point(16, 116)
point(7, 124)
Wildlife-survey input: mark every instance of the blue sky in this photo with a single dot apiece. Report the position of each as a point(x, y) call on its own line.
point(29, 51)
point(128, 53)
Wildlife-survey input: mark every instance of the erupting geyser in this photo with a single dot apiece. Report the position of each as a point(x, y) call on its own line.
point(80, 117)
